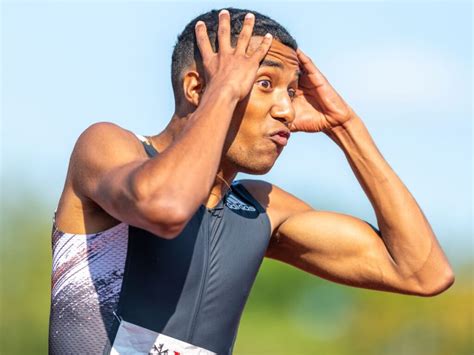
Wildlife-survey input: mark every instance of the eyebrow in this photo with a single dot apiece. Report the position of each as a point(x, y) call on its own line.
point(275, 64)
point(271, 63)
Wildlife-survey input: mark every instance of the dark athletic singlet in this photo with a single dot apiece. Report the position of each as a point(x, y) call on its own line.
point(126, 291)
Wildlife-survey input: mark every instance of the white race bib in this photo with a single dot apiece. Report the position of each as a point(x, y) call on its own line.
point(133, 339)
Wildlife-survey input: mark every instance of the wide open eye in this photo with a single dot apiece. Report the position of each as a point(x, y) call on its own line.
point(292, 93)
point(266, 84)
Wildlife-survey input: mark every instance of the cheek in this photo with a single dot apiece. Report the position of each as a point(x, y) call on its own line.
point(252, 146)
point(247, 126)
point(247, 137)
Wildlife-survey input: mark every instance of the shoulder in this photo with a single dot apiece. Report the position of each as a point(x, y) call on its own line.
point(107, 137)
point(278, 203)
point(104, 145)
point(272, 196)
point(99, 150)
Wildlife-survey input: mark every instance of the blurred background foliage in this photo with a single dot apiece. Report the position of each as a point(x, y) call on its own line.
point(407, 64)
point(288, 311)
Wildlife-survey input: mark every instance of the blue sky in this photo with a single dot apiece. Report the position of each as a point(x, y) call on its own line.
point(406, 69)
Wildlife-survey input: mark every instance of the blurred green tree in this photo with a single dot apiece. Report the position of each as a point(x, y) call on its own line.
point(288, 311)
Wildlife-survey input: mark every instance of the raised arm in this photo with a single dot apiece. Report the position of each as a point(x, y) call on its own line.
point(161, 194)
point(404, 256)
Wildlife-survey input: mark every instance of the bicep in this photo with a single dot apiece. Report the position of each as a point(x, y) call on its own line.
point(339, 248)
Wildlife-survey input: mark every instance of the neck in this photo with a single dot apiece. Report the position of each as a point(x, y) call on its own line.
point(165, 138)
point(221, 186)
point(225, 174)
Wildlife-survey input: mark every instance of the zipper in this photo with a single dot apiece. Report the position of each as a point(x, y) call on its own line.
point(209, 214)
point(203, 279)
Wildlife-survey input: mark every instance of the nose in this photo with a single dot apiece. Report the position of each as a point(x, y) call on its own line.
point(282, 109)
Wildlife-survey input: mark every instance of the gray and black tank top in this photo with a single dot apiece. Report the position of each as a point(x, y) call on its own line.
point(125, 290)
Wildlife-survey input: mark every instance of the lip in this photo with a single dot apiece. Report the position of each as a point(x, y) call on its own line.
point(281, 136)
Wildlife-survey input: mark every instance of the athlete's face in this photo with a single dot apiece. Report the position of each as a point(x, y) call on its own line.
point(250, 146)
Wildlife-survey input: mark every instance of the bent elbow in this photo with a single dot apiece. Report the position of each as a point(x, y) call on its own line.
point(164, 219)
point(436, 289)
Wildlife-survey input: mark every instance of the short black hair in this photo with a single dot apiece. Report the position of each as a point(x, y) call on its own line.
point(186, 50)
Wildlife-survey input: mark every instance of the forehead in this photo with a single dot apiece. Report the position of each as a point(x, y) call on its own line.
point(277, 52)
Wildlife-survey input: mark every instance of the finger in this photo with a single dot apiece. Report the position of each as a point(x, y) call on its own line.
point(245, 33)
point(223, 32)
point(309, 67)
point(202, 40)
point(262, 50)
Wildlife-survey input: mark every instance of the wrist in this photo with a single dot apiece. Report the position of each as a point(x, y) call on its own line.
point(224, 91)
point(345, 130)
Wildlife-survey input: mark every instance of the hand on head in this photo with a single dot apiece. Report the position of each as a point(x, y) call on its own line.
point(233, 68)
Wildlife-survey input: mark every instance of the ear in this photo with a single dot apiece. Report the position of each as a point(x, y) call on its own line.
point(193, 87)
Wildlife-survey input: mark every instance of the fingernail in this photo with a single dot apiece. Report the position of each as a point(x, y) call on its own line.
point(223, 12)
point(268, 35)
point(249, 16)
point(199, 23)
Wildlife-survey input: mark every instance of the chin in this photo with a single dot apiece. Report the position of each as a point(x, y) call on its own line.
point(257, 167)
point(254, 161)
point(252, 171)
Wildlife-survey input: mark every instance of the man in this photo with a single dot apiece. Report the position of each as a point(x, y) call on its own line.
point(155, 247)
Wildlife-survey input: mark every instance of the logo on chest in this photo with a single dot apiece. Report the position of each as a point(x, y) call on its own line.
point(233, 202)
